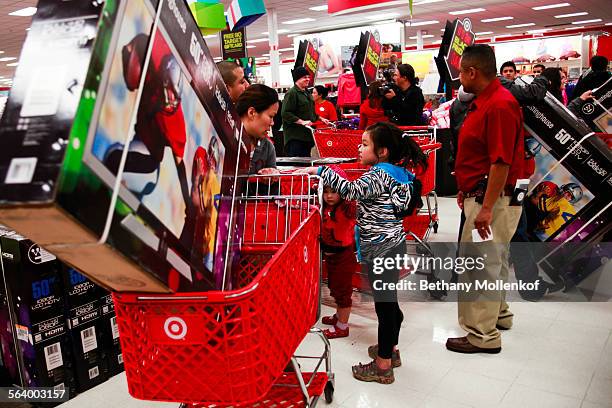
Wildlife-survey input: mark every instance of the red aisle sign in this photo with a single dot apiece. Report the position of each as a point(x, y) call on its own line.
point(308, 57)
point(372, 60)
point(462, 37)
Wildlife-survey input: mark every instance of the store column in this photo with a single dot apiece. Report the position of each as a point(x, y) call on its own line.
point(273, 41)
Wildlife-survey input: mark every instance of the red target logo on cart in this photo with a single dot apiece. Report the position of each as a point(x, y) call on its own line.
point(175, 328)
point(330, 143)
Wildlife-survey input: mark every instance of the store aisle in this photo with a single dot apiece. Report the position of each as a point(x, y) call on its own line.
point(558, 355)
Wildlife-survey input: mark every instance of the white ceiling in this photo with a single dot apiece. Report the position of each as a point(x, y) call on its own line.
point(13, 29)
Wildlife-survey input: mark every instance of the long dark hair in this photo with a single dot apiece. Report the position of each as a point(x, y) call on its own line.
point(375, 94)
point(258, 96)
point(403, 151)
point(406, 70)
point(554, 76)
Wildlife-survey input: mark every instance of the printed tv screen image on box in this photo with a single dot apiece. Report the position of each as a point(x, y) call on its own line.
point(175, 145)
point(556, 200)
point(129, 170)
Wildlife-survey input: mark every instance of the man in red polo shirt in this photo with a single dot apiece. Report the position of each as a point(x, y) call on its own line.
point(489, 160)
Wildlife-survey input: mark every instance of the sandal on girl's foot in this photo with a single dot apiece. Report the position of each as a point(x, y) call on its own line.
point(330, 320)
point(396, 361)
point(370, 372)
point(336, 332)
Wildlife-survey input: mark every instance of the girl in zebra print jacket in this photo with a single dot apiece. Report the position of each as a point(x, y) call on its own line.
point(383, 194)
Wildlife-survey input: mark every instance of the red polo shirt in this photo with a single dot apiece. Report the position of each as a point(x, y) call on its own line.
point(491, 133)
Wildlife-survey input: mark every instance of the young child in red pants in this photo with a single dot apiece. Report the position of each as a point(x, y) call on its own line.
point(338, 246)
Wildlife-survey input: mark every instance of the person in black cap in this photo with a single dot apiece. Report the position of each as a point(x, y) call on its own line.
point(298, 112)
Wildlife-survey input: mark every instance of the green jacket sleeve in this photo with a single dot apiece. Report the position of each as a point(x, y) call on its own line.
point(289, 107)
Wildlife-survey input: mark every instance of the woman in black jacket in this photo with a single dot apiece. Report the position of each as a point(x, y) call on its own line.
point(404, 102)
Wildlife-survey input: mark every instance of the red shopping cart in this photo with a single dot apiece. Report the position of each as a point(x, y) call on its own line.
point(230, 348)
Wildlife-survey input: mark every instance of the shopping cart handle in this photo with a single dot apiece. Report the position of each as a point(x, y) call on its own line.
point(428, 148)
point(414, 127)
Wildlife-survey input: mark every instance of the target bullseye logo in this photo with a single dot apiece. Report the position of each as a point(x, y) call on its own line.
point(175, 328)
point(329, 143)
point(305, 254)
point(467, 24)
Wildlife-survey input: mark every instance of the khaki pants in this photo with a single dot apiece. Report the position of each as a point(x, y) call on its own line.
point(481, 310)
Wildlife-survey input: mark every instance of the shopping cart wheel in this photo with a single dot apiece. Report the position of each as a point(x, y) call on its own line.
point(329, 392)
point(435, 227)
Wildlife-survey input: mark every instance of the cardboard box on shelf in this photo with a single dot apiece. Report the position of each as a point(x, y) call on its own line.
point(110, 336)
point(83, 314)
point(120, 146)
point(35, 300)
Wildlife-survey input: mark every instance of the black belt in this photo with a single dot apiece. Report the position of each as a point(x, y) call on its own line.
point(479, 192)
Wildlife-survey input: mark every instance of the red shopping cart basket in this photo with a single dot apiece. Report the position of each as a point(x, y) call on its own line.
point(338, 143)
point(224, 347)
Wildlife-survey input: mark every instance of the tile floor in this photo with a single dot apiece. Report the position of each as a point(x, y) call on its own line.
point(557, 355)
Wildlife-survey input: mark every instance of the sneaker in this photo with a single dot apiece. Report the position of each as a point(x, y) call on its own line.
point(330, 320)
point(370, 372)
point(396, 361)
point(337, 333)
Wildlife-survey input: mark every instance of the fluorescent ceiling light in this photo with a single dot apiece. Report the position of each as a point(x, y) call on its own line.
point(319, 8)
point(382, 16)
point(582, 13)
point(425, 36)
point(251, 46)
point(211, 36)
point(437, 42)
point(281, 31)
point(257, 40)
point(25, 12)
point(293, 35)
point(551, 6)
point(7, 59)
point(608, 24)
point(484, 32)
point(541, 30)
point(286, 49)
point(1, 52)
point(596, 20)
point(574, 28)
point(426, 2)
point(265, 55)
point(299, 20)
point(14, 64)
point(490, 20)
point(421, 23)
point(521, 25)
point(469, 11)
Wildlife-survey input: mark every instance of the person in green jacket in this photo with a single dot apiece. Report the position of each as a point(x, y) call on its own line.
point(298, 112)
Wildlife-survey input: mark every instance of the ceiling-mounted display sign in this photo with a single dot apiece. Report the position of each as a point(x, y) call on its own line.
point(308, 57)
point(241, 13)
point(233, 44)
point(457, 36)
point(209, 16)
point(368, 59)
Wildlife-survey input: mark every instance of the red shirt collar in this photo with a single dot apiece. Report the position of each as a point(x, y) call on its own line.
point(488, 92)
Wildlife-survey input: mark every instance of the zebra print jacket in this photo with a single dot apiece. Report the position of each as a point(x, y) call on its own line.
point(380, 193)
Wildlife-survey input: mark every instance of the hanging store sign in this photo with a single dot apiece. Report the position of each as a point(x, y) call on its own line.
point(233, 44)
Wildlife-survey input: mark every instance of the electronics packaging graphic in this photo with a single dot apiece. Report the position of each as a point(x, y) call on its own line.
point(120, 146)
